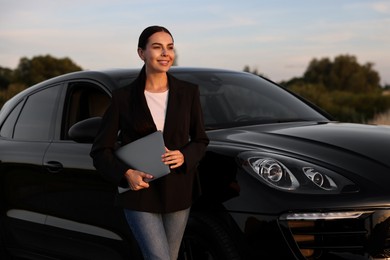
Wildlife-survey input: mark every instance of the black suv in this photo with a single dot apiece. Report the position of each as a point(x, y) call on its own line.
point(280, 180)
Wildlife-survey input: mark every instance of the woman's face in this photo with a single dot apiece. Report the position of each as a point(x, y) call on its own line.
point(159, 53)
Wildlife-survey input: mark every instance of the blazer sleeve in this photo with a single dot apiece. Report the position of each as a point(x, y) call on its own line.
point(195, 149)
point(105, 143)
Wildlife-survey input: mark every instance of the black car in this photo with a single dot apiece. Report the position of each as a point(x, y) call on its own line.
point(280, 179)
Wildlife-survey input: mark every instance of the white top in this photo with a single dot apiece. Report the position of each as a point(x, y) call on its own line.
point(157, 103)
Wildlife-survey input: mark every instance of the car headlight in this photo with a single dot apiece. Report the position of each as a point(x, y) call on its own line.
point(294, 175)
point(273, 173)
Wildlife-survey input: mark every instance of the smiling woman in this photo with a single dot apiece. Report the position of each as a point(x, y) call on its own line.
point(156, 211)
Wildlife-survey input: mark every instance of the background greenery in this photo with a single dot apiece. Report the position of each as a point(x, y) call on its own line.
point(349, 91)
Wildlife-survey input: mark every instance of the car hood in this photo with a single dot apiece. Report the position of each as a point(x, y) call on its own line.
point(335, 143)
point(365, 140)
point(360, 152)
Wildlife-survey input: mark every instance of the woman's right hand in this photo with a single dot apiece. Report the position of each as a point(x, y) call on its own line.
point(136, 179)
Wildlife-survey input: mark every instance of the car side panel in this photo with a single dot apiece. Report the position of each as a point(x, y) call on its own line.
point(23, 182)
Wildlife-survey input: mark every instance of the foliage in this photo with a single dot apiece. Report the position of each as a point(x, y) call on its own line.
point(9, 92)
point(345, 89)
point(6, 77)
point(40, 68)
point(344, 74)
point(30, 72)
point(344, 105)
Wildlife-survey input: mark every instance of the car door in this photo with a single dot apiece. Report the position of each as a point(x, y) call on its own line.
point(80, 203)
point(24, 136)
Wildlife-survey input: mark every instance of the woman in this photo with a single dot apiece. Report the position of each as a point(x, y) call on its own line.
point(157, 211)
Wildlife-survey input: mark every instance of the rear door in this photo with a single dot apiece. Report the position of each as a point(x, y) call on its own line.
point(24, 139)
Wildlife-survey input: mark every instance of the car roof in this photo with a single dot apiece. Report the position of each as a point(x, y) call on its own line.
point(119, 73)
point(112, 77)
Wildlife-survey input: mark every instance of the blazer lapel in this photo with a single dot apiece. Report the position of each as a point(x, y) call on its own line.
point(138, 93)
point(148, 114)
point(172, 105)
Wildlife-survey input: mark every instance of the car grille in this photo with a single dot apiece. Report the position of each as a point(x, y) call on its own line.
point(366, 236)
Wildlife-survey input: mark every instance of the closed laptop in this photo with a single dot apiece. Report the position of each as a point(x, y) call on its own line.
point(144, 155)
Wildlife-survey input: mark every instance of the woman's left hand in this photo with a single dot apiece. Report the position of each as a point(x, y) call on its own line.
point(173, 158)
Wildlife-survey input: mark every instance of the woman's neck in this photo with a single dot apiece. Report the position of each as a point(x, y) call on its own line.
point(156, 82)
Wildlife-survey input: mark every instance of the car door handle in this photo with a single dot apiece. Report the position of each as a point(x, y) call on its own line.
point(53, 166)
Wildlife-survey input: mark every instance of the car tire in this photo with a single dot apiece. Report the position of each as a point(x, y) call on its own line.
point(205, 238)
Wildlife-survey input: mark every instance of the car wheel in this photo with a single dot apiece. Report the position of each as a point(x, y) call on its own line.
point(206, 239)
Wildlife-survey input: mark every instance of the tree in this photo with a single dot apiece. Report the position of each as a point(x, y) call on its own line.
point(344, 88)
point(39, 68)
point(5, 77)
point(344, 74)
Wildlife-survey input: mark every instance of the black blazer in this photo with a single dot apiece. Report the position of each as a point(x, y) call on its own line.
point(184, 130)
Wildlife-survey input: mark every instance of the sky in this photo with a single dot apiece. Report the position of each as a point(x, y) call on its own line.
point(278, 38)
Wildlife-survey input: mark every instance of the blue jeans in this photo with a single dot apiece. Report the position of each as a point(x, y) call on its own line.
point(158, 235)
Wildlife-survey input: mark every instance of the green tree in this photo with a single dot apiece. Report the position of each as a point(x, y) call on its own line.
point(30, 72)
point(40, 68)
point(344, 74)
point(345, 89)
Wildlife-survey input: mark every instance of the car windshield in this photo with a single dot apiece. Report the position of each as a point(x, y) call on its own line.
point(232, 99)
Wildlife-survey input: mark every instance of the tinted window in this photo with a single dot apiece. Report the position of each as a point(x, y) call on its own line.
point(36, 116)
point(83, 100)
point(8, 127)
point(233, 99)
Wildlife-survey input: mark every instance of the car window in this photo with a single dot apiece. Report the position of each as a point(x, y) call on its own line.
point(83, 100)
point(235, 99)
point(7, 129)
point(35, 120)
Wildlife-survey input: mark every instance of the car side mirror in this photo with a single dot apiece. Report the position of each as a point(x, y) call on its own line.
point(85, 131)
